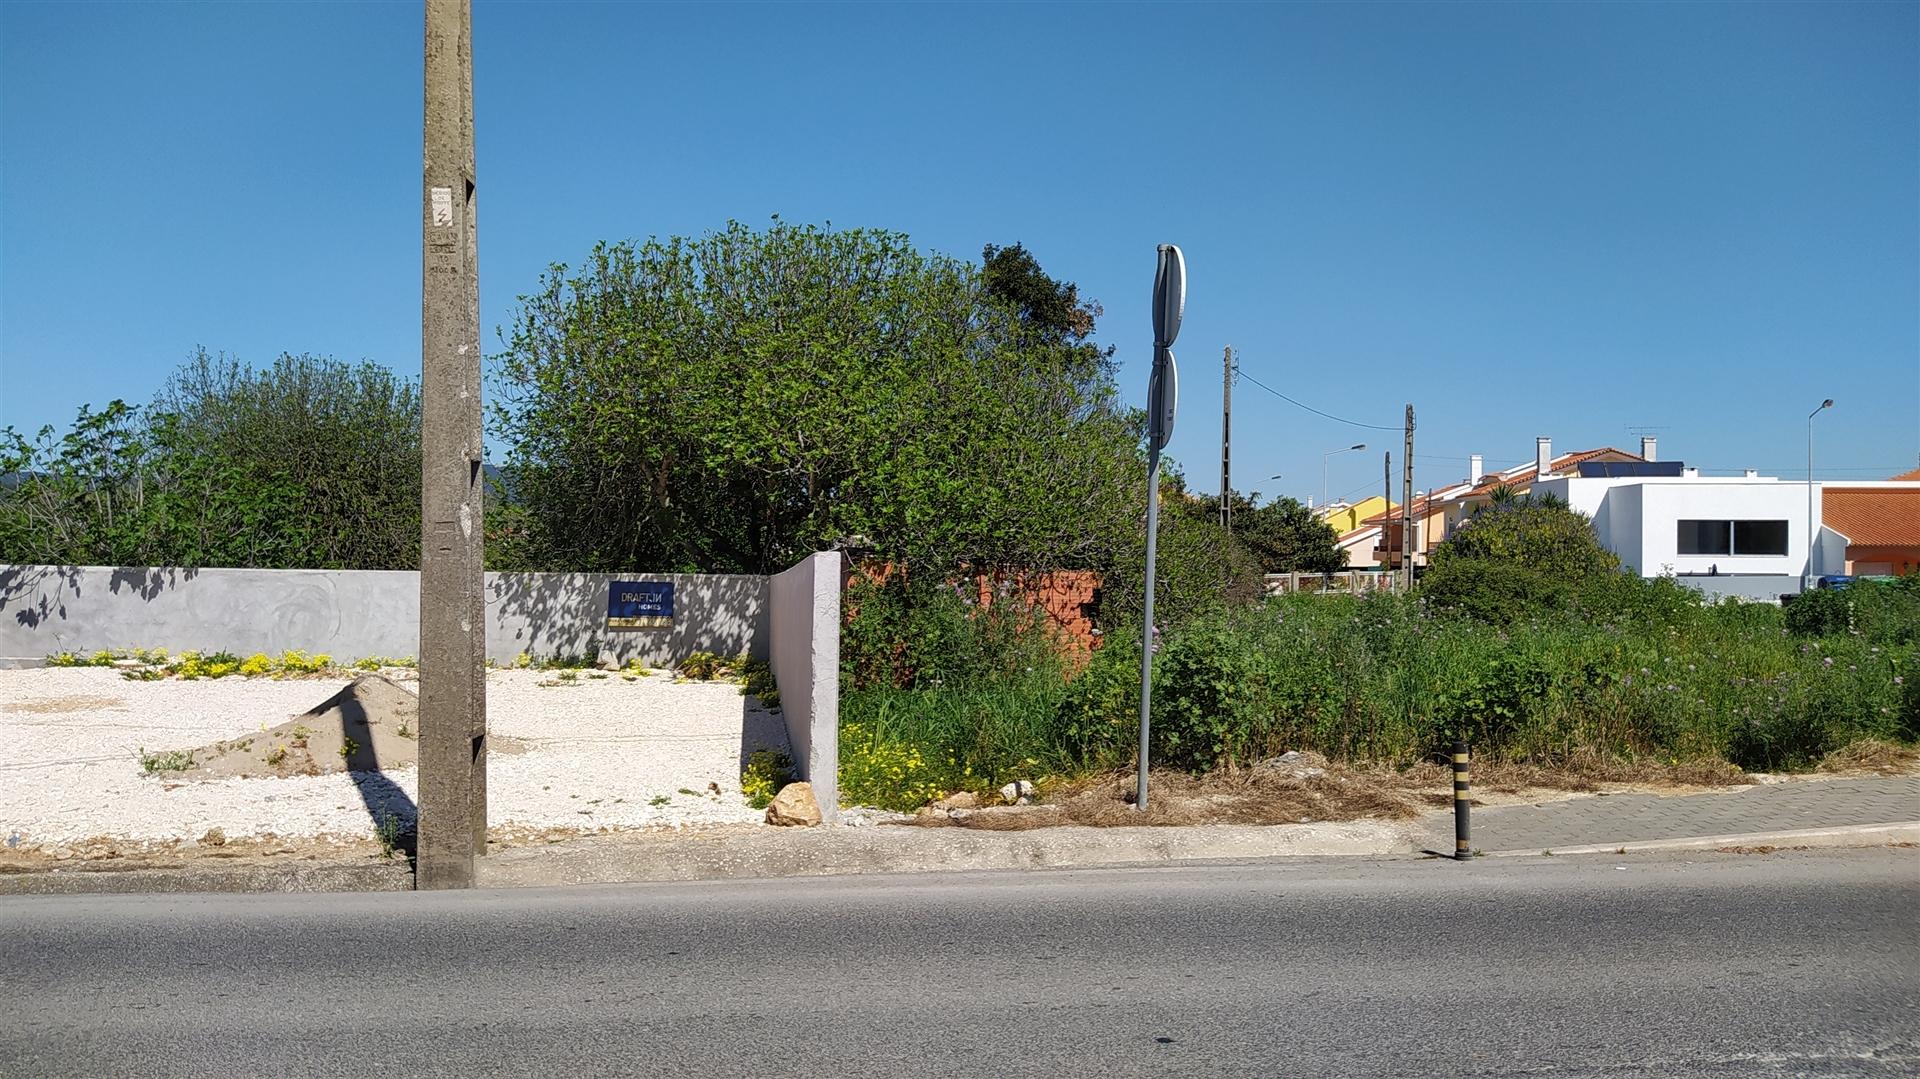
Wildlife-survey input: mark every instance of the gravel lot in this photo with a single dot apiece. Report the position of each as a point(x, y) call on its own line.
point(592, 754)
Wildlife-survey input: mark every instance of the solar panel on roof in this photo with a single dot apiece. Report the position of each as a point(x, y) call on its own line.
point(1626, 469)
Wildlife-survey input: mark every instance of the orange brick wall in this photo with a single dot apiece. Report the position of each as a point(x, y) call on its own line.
point(1066, 597)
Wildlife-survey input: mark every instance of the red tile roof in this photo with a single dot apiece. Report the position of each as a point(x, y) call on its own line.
point(1520, 476)
point(1873, 516)
point(1908, 477)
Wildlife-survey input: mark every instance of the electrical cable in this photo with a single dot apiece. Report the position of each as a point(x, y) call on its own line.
point(1310, 408)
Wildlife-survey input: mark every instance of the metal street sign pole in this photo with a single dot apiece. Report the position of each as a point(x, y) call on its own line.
point(1163, 392)
point(452, 826)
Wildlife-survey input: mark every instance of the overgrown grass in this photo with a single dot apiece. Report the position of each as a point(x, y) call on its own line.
point(901, 748)
point(1654, 678)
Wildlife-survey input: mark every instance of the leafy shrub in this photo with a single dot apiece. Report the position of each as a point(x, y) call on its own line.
point(900, 749)
point(766, 772)
point(1199, 568)
point(1819, 612)
point(708, 667)
point(1517, 560)
point(756, 680)
point(299, 662)
point(1098, 714)
point(887, 774)
point(1884, 612)
point(909, 632)
point(75, 659)
point(1495, 592)
point(1211, 701)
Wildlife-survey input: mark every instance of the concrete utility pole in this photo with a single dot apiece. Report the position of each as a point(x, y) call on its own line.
point(1386, 516)
point(453, 623)
point(1226, 439)
point(1406, 507)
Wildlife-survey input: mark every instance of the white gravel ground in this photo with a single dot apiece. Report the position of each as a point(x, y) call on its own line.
point(597, 754)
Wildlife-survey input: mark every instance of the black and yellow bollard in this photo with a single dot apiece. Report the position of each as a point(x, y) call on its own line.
point(1462, 849)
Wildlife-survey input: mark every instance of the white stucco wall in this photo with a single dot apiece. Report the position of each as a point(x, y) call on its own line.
point(1664, 503)
point(353, 614)
point(805, 604)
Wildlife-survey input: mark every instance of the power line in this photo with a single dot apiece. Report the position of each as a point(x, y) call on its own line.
point(1310, 408)
point(1796, 468)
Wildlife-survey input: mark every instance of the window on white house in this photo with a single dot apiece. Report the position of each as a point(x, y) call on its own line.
point(1760, 537)
point(1706, 537)
point(1732, 537)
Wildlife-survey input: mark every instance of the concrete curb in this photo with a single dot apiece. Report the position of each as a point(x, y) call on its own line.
point(836, 851)
point(389, 877)
point(1853, 835)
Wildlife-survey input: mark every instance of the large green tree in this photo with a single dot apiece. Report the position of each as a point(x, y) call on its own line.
point(1283, 535)
point(733, 401)
point(307, 463)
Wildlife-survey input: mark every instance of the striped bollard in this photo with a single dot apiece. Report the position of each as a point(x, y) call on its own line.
point(1461, 755)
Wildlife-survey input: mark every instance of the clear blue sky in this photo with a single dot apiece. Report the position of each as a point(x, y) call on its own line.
point(1552, 219)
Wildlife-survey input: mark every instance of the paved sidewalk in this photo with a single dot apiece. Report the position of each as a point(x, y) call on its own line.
point(1642, 818)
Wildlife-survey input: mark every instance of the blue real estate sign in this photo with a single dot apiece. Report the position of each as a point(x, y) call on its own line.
point(640, 605)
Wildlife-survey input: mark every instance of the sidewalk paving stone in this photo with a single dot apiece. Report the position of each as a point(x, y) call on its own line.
point(1642, 818)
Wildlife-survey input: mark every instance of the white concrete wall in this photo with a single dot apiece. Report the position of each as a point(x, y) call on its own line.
point(352, 614)
point(1829, 552)
point(805, 605)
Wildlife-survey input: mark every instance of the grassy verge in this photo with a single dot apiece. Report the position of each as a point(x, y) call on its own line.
point(1657, 685)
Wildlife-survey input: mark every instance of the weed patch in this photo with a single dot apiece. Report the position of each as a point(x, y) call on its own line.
point(170, 760)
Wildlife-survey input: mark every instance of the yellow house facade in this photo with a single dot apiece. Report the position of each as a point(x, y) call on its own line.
point(1345, 517)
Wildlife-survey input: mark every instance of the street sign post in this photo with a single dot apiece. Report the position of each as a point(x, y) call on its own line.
point(1163, 393)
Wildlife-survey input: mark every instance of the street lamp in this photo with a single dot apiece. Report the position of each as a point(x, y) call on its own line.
point(1806, 575)
point(1324, 458)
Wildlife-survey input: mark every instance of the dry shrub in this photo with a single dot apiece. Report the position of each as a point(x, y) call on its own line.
point(1871, 755)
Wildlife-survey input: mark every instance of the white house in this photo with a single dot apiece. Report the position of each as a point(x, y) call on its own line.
point(1726, 535)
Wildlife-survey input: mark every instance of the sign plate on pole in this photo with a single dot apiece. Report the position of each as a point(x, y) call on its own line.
point(1163, 399)
point(1169, 295)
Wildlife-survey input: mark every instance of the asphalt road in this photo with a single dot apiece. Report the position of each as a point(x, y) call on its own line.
point(1717, 965)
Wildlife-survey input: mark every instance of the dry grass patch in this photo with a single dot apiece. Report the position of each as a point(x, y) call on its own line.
point(1310, 789)
point(1872, 756)
point(1579, 774)
point(1225, 796)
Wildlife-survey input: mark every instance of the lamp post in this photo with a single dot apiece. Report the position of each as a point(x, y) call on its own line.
point(1324, 458)
point(1806, 575)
